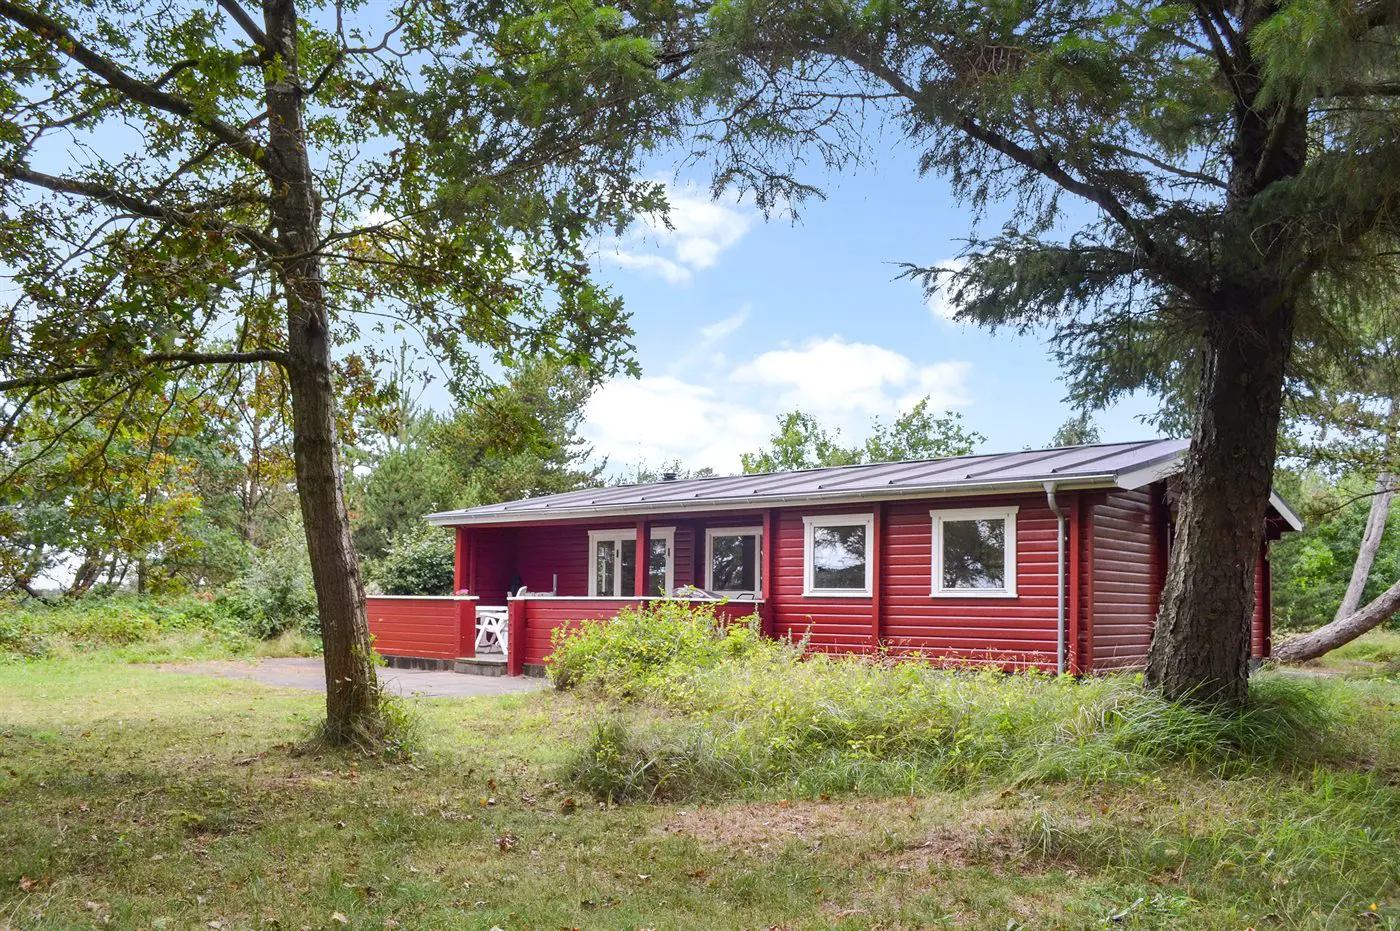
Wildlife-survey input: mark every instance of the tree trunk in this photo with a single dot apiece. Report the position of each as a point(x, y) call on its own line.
point(1370, 544)
point(1200, 647)
point(1342, 631)
point(351, 692)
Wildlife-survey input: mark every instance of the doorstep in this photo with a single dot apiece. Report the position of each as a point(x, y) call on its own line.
point(489, 665)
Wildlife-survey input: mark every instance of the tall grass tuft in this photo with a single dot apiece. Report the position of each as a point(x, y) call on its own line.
point(714, 720)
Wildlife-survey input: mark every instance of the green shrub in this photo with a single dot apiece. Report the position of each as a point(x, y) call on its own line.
point(647, 648)
point(770, 722)
point(135, 627)
point(276, 594)
point(419, 562)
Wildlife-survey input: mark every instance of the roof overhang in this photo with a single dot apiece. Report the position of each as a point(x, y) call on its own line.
point(1170, 464)
point(533, 511)
point(758, 502)
point(1290, 516)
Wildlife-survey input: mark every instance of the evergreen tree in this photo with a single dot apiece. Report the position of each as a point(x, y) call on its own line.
point(1237, 171)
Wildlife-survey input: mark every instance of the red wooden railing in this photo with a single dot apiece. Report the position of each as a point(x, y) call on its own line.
point(428, 627)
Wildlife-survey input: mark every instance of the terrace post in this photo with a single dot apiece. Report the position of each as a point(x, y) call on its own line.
point(767, 547)
point(460, 560)
point(466, 627)
point(515, 636)
point(643, 568)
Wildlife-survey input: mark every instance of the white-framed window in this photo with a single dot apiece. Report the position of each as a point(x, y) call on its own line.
point(974, 553)
point(612, 562)
point(837, 555)
point(732, 558)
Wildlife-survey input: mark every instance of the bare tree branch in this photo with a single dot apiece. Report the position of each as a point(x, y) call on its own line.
point(185, 359)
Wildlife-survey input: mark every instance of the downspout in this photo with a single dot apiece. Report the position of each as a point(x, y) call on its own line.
point(1060, 613)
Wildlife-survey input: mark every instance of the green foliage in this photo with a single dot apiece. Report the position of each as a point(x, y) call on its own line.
point(405, 484)
point(772, 721)
point(644, 647)
point(1311, 569)
point(1078, 430)
point(419, 562)
point(139, 628)
point(803, 443)
point(275, 595)
point(520, 438)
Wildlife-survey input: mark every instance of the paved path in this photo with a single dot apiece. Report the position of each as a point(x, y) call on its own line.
point(308, 673)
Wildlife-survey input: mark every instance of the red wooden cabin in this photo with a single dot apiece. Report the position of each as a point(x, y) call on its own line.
point(1050, 558)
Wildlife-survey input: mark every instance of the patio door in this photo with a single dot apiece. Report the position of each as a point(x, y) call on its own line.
point(612, 556)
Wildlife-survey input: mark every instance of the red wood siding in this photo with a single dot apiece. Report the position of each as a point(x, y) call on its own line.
point(1119, 565)
point(542, 552)
point(493, 553)
point(1016, 631)
point(428, 627)
point(544, 615)
point(1129, 566)
point(1263, 609)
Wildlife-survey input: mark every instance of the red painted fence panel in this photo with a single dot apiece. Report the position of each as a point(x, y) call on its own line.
point(542, 616)
point(428, 627)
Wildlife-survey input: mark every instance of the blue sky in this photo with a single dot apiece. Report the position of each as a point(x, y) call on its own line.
point(739, 319)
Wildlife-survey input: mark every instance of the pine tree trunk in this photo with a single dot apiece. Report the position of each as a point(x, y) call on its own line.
point(1200, 648)
point(1370, 544)
point(351, 705)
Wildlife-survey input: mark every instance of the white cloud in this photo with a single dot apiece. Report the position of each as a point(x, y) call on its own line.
point(714, 332)
point(844, 384)
point(656, 419)
point(700, 231)
point(941, 301)
point(837, 379)
point(705, 351)
point(673, 273)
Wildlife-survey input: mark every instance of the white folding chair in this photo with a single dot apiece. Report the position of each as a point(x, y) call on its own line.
point(492, 632)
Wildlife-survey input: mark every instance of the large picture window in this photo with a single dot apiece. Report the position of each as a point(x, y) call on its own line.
point(731, 563)
point(837, 555)
point(974, 553)
point(613, 562)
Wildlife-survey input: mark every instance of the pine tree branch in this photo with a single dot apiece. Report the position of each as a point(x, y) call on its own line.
point(1038, 161)
point(183, 359)
point(142, 92)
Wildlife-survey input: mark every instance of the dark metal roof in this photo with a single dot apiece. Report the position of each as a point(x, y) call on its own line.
point(1128, 465)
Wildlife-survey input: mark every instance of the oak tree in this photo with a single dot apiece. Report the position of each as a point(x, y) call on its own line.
point(241, 182)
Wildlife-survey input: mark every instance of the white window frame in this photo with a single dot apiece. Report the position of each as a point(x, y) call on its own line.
point(1007, 514)
point(809, 524)
point(757, 534)
point(617, 535)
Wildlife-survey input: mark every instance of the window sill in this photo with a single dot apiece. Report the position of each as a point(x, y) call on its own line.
point(835, 594)
point(974, 594)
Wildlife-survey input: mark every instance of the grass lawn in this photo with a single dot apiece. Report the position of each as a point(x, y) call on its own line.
point(136, 798)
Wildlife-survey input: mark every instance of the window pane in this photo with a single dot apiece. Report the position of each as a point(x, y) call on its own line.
point(627, 585)
point(656, 569)
point(734, 563)
point(605, 567)
point(838, 557)
point(974, 554)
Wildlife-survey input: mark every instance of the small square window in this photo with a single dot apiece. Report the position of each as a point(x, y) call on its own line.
point(732, 565)
point(974, 553)
point(837, 555)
